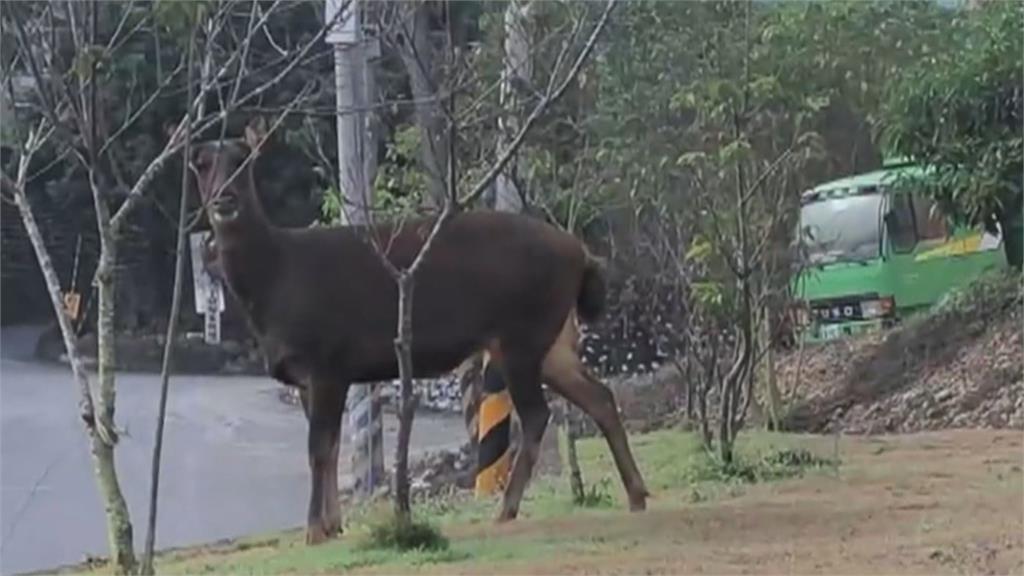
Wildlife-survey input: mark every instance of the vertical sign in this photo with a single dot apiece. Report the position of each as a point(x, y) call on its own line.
point(209, 292)
point(211, 322)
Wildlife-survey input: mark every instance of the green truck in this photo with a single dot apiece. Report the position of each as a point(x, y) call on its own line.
point(874, 252)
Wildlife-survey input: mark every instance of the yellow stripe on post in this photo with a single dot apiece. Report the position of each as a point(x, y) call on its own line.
point(494, 432)
point(492, 479)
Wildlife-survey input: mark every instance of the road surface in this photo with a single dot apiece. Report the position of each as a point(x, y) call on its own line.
point(234, 459)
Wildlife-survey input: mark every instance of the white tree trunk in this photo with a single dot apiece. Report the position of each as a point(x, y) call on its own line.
point(99, 423)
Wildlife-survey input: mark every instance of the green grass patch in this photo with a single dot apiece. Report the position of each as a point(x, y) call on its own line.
point(675, 466)
point(597, 495)
point(404, 535)
point(774, 465)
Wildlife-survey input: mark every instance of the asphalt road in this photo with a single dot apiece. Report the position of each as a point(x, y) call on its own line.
point(234, 459)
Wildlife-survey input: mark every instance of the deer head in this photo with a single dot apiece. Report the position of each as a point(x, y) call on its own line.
point(224, 174)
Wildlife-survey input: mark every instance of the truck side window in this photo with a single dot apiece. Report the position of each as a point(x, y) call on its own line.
point(929, 222)
point(900, 224)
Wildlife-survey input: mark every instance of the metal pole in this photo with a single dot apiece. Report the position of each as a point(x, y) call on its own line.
point(365, 428)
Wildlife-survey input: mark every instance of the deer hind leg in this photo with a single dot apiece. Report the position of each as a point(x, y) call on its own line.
point(522, 376)
point(565, 373)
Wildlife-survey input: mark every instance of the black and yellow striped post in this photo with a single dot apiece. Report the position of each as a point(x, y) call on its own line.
point(494, 428)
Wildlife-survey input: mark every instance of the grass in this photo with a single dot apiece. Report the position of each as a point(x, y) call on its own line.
point(675, 467)
point(597, 495)
point(414, 534)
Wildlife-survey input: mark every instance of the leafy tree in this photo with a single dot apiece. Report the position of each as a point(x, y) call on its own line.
point(838, 57)
point(959, 111)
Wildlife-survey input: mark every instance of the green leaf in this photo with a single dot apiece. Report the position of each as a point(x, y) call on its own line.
point(84, 61)
point(691, 159)
point(734, 152)
point(700, 250)
point(817, 103)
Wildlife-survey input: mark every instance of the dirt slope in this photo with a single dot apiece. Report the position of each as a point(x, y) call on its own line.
point(958, 367)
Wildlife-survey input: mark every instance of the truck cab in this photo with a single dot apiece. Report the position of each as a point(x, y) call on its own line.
point(874, 251)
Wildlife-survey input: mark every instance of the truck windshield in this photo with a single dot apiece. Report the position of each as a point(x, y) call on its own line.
point(842, 229)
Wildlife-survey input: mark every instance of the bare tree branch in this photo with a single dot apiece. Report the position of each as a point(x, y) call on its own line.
point(551, 96)
point(141, 109)
point(175, 144)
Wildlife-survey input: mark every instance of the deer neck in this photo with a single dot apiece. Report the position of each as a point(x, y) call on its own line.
point(249, 254)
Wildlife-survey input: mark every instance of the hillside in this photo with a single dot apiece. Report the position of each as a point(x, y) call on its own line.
point(958, 366)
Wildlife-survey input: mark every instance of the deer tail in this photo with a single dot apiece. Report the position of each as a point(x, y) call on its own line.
point(590, 302)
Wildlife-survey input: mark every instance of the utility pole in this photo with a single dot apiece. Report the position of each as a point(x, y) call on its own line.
point(517, 73)
point(356, 172)
point(517, 76)
point(495, 427)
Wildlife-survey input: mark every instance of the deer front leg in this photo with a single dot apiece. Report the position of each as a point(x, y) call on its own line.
point(332, 510)
point(325, 407)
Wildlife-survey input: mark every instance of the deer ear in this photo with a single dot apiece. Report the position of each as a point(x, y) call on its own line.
point(255, 133)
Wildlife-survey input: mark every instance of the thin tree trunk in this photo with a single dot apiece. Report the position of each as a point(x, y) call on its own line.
point(575, 475)
point(734, 379)
point(798, 376)
point(709, 376)
point(407, 406)
point(119, 526)
point(99, 424)
point(172, 329)
point(725, 420)
point(771, 382)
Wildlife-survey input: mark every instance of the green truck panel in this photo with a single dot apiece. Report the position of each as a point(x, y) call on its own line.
point(877, 253)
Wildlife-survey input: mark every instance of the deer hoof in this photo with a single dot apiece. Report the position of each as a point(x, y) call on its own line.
point(638, 504)
point(333, 528)
point(505, 516)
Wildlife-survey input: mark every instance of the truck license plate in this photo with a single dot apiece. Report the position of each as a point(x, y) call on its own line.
point(831, 331)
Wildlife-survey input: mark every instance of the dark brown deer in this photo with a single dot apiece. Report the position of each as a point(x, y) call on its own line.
point(324, 309)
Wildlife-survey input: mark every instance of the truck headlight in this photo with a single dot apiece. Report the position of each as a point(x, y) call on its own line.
point(877, 308)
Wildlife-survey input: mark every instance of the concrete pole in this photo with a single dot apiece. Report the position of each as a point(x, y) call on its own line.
point(355, 177)
point(349, 76)
point(517, 72)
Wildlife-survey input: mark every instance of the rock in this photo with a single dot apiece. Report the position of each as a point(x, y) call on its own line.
point(443, 472)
